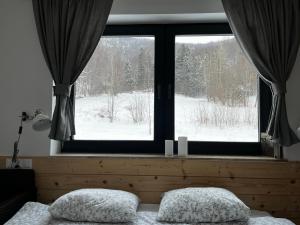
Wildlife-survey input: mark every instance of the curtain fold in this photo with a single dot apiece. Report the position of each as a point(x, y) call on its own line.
point(69, 31)
point(268, 31)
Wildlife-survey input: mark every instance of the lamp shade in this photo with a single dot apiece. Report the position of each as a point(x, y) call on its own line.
point(298, 132)
point(41, 122)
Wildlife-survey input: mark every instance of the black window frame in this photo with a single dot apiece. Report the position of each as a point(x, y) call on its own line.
point(164, 98)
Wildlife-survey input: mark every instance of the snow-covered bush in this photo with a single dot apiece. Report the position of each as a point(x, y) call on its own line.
point(137, 108)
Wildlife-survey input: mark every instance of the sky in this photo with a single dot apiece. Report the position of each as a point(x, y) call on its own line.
point(192, 39)
point(201, 39)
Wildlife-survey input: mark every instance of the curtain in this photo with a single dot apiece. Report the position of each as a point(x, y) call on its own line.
point(268, 31)
point(69, 31)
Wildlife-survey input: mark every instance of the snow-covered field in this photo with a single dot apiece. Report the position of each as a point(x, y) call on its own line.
point(195, 118)
point(201, 120)
point(92, 122)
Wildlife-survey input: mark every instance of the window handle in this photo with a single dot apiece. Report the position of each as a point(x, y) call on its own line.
point(169, 91)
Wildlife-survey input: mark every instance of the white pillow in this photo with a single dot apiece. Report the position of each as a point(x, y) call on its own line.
point(196, 205)
point(96, 205)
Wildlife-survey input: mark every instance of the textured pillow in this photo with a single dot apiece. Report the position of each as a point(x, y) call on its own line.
point(195, 205)
point(96, 205)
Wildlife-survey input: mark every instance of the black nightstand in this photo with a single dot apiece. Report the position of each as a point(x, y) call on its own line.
point(17, 187)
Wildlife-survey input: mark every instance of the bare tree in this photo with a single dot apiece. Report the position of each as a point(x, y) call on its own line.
point(136, 108)
point(112, 84)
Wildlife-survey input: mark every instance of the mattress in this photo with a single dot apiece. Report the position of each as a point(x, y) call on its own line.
point(33, 213)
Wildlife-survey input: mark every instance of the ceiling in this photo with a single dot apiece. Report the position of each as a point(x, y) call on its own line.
point(166, 11)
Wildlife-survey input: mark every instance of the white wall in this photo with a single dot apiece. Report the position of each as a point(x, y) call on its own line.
point(293, 108)
point(25, 82)
point(166, 6)
point(166, 11)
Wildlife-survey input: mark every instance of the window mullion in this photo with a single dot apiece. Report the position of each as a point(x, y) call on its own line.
point(160, 82)
point(170, 81)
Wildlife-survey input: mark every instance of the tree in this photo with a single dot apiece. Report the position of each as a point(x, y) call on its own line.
point(130, 78)
point(182, 69)
point(113, 84)
point(141, 73)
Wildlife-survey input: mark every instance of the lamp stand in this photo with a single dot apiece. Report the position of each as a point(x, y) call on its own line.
point(14, 161)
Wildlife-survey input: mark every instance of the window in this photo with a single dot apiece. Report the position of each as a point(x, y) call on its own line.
point(215, 90)
point(148, 83)
point(114, 95)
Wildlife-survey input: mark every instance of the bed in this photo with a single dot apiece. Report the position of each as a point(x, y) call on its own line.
point(33, 213)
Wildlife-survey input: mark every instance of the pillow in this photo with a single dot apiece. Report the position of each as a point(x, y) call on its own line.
point(96, 205)
point(196, 205)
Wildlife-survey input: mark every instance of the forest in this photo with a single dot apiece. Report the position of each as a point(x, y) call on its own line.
point(215, 77)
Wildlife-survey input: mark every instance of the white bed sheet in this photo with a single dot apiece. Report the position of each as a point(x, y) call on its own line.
point(33, 213)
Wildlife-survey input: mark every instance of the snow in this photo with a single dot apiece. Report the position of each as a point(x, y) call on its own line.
point(187, 125)
point(92, 124)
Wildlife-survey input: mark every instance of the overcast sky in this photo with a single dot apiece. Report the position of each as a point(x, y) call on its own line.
point(203, 39)
point(192, 39)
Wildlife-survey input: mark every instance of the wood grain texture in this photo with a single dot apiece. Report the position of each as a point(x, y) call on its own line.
point(273, 186)
point(168, 167)
point(2, 162)
point(164, 183)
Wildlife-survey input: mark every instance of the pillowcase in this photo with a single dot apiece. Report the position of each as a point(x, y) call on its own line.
point(196, 205)
point(96, 205)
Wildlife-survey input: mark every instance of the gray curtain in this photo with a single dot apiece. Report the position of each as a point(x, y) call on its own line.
point(269, 33)
point(69, 31)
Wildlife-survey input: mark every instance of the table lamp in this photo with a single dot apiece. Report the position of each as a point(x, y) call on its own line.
point(40, 122)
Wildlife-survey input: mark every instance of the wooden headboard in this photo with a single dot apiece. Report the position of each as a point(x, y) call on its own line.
point(269, 185)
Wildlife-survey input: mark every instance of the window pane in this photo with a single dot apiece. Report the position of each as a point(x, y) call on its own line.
point(215, 90)
point(114, 94)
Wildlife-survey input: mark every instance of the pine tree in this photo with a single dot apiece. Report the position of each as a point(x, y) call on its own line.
point(141, 69)
point(129, 77)
point(189, 74)
point(182, 69)
point(149, 72)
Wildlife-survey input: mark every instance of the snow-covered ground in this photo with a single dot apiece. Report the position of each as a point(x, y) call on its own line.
point(201, 120)
point(92, 122)
point(195, 118)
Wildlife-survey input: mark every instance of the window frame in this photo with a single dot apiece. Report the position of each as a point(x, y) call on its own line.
point(164, 98)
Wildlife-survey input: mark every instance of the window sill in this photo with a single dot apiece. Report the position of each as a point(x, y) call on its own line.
point(208, 157)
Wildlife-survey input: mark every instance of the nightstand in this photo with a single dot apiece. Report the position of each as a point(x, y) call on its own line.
point(17, 187)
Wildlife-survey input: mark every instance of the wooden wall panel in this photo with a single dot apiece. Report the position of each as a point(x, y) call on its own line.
point(2, 162)
point(168, 167)
point(273, 186)
point(164, 183)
